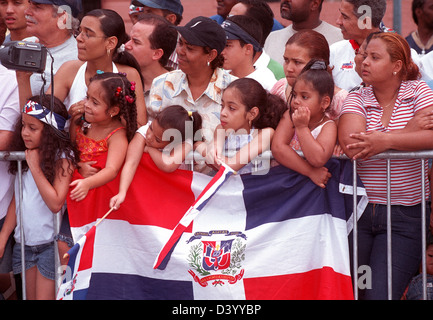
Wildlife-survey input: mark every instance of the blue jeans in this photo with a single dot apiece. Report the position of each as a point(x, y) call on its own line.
point(406, 238)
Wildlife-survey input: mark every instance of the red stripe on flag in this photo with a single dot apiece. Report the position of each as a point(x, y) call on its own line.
point(86, 259)
point(155, 197)
point(320, 284)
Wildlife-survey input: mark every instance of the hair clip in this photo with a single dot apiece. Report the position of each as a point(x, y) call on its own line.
point(99, 72)
point(121, 49)
point(133, 85)
point(118, 91)
point(129, 99)
point(318, 65)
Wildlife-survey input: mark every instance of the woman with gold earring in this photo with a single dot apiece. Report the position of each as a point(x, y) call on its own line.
point(199, 82)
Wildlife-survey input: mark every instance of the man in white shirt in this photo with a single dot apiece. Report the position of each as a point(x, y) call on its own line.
point(358, 18)
point(304, 14)
point(9, 115)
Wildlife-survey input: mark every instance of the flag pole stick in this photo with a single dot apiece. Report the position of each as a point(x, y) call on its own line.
point(105, 216)
point(66, 255)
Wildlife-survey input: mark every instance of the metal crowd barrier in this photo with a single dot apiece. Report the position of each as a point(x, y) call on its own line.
point(422, 155)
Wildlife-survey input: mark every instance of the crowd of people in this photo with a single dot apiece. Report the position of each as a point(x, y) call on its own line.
point(244, 84)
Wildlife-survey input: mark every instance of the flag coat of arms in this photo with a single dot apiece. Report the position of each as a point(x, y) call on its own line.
point(271, 236)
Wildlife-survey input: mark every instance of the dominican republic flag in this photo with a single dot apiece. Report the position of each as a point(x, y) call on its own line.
point(185, 236)
point(78, 273)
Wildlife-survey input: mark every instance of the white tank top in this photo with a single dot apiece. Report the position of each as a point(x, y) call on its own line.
point(78, 89)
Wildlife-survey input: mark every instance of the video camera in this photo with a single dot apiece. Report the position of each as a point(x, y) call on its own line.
point(24, 56)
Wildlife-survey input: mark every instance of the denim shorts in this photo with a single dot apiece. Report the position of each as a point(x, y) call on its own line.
point(41, 256)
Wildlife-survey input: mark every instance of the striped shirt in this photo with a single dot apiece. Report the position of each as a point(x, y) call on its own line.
point(413, 96)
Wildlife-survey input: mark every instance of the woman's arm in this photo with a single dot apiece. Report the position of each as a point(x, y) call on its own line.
point(64, 78)
point(348, 124)
point(359, 144)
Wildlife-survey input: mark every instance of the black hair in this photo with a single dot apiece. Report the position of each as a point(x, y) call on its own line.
point(177, 117)
point(317, 73)
point(262, 12)
point(53, 146)
point(271, 107)
point(112, 25)
point(164, 35)
point(377, 9)
point(416, 4)
point(249, 25)
point(124, 98)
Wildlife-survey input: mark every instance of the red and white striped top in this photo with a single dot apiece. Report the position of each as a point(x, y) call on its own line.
point(413, 96)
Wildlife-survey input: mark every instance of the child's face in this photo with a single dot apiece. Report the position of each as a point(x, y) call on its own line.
point(295, 59)
point(304, 95)
point(154, 136)
point(31, 131)
point(234, 114)
point(95, 107)
point(233, 54)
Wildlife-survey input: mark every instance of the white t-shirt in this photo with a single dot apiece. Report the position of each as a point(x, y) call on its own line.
point(264, 76)
point(9, 115)
point(426, 65)
point(65, 52)
point(276, 41)
point(342, 60)
point(38, 220)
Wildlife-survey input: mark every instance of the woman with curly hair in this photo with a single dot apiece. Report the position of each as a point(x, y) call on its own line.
point(47, 173)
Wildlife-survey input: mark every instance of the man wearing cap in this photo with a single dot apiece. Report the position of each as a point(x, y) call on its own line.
point(53, 24)
point(199, 82)
point(171, 10)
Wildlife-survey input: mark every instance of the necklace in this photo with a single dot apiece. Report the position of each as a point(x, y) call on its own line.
point(392, 100)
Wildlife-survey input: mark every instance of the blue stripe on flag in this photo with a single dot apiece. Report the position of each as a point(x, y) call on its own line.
point(283, 189)
point(109, 286)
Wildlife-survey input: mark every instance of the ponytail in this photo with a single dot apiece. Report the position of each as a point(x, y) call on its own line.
point(272, 113)
point(177, 117)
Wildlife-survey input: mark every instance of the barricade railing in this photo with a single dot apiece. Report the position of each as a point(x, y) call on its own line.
point(388, 156)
